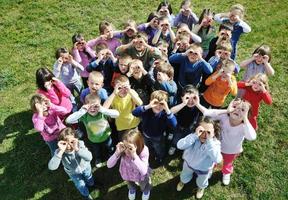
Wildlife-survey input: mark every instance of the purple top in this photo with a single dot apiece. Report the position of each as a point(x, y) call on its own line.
point(132, 169)
point(148, 30)
point(189, 20)
point(111, 43)
point(83, 58)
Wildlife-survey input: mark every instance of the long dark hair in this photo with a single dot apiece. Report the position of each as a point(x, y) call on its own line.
point(165, 3)
point(43, 75)
point(205, 12)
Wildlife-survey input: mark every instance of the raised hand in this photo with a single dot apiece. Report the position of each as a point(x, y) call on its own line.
point(62, 145)
point(120, 148)
point(74, 144)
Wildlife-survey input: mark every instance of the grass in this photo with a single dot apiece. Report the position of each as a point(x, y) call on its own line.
point(30, 32)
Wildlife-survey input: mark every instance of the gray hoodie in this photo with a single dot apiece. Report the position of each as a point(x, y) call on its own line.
point(73, 162)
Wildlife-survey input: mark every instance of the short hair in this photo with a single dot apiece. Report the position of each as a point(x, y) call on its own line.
point(136, 138)
point(121, 79)
point(190, 89)
point(263, 50)
point(95, 75)
point(125, 57)
point(59, 51)
point(196, 47)
point(92, 98)
point(167, 69)
point(136, 61)
point(36, 98)
point(77, 37)
point(238, 7)
point(100, 46)
point(229, 63)
point(142, 35)
point(43, 75)
point(152, 15)
point(103, 25)
point(225, 45)
point(216, 125)
point(226, 26)
point(165, 3)
point(185, 2)
point(131, 23)
point(66, 132)
point(160, 95)
point(263, 78)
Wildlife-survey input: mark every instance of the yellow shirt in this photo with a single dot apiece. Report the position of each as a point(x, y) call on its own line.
point(218, 90)
point(125, 106)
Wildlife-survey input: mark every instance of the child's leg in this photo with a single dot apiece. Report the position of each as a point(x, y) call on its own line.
point(202, 180)
point(80, 184)
point(109, 146)
point(253, 121)
point(96, 151)
point(159, 147)
point(87, 175)
point(131, 186)
point(52, 146)
point(228, 163)
point(145, 185)
point(186, 174)
point(178, 135)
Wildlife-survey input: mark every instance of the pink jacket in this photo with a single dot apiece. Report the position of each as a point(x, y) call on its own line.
point(51, 125)
point(59, 95)
point(82, 58)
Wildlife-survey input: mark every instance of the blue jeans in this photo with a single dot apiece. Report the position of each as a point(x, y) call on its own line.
point(178, 134)
point(53, 145)
point(97, 148)
point(81, 181)
point(157, 144)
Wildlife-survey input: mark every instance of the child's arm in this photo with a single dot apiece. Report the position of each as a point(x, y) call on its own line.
point(110, 99)
point(135, 97)
point(214, 61)
point(245, 63)
point(171, 119)
point(63, 89)
point(74, 117)
point(268, 68)
point(177, 108)
point(209, 112)
point(55, 160)
point(59, 110)
point(92, 43)
point(212, 78)
point(214, 150)
point(177, 58)
point(111, 162)
point(206, 66)
point(122, 50)
point(246, 28)
point(219, 17)
point(195, 38)
point(233, 86)
point(95, 64)
point(76, 55)
point(249, 131)
point(142, 161)
point(90, 51)
point(267, 97)
point(156, 37)
point(57, 67)
point(83, 151)
point(186, 142)
point(169, 86)
point(172, 34)
point(109, 112)
point(77, 65)
point(138, 111)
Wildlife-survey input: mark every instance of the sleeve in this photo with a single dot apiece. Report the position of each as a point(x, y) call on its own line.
point(214, 61)
point(195, 18)
point(39, 122)
point(267, 98)
point(218, 18)
point(111, 162)
point(83, 95)
point(206, 67)
point(54, 161)
point(50, 94)
point(90, 52)
point(56, 70)
point(109, 112)
point(187, 141)
point(176, 58)
point(172, 121)
point(177, 20)
point(138, 112)
point(214, 150)
point(84, 152)
point(63, 89)
point(58, 110)
point(249, 131)
point(142, 161)
point(94, 65)
point(74, 117)
point(92, 43)
point(233, 87)
point(120, 51)
point(246, 28)
point(156, 53)
point(241, 84)
point(216, 114)
point(76, 55)
point(210, 80)
point(169, 86)
point(142, 27)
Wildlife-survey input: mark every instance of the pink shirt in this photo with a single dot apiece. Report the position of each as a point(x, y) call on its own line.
point(59, 95)
point(111, 43)
point(83, 59)
point(132, 169)
point(50, 126)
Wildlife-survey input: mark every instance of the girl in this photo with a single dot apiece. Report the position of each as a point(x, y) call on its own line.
point(186, 15)
point(258, 63)
point(202, 150)
point(235, 127)
point(46, 119)
point(234, 17)
point(82, 54)
point(53, 89)
point(75, 159)
point(165, 10)
point(255, 91)
point(183, 29)
point(129, 32)
point(134, 166)
point(151, 27)
point(205, 29)
point(67, 69)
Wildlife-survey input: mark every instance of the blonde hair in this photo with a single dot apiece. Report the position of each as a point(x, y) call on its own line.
point(230, 64)
point(96, 75)
point(121, 79)
point(37, 98)
point(92, 98)
point(66, 132)
point(239, 8)
point(196, 47)
point(160, 95)
point(136, 138)
point(167, 69)
point(225, 45)
point(263, 78)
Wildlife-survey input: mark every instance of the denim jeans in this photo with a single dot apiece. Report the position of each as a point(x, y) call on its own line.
point(178, 134)
point(97, 148)
point(157, 144)
point(53, 145)
point(144, 185)
point(81, 181)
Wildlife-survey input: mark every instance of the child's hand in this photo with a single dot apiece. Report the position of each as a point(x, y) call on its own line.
point(218, 53)
point(262, 86)
point(177, 45)
point(185, 99)
point(62, 145)
point(39, 108)
point(265, 59)
point(255, 56)
point(60, 61)
point(75, 145)
point(199, 130)
point(196, 100)
point(103, 37)
point(117, 88)
point(70, 58)
point(86, 106)
point(153, 103)
point(120, 148)
point(165, 106)
point(132, 150)
point(47, 102)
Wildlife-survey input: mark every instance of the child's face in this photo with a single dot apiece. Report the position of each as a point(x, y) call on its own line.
point(191, 97)
point(163, 49)
point(207, 21)
point(164, 24)
point(94, 107)
point(206, 130)
point(123, 65)
point(225, 34)
point(69, 139)
point(164, 11)
point(123, 88)
point(224, 55)
point(128, 144)
point(81, 44)
point(140, 44)
point(234, 16)
point(184, 44)
point(193, 55)
point(227, 72)
point(105, 54)
point(48, 84)
point(95, 85)
point(241, 109)
point(259, 59)
point(130, 32)
point(162, 76)
point(155, 23)
point(108, 31)
point(65, 57)
point(159, 106)
point(257, 85)
point(186, 9)
point(137, 73)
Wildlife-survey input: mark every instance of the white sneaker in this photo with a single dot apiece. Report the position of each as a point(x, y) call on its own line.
point(226, 179)
point(180, 186)
point(131, 196)
point(171, 151)
point(145, 196)
point(170, 136)
point(200, 193)
point(98, 164)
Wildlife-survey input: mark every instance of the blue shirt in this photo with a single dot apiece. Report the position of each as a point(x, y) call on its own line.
point(102, 93)
point(214, 61)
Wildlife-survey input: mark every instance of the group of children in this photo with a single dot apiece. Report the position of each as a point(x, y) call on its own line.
point(127, 92)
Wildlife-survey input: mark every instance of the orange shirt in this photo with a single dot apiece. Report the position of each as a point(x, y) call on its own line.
point(218, 90)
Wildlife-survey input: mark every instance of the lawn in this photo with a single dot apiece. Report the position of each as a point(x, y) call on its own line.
point(30, 32)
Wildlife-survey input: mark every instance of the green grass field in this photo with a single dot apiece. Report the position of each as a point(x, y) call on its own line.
point(30, 31)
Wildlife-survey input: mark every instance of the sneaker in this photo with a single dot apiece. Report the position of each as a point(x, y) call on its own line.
point(145, 196)
point(199, 193)
point(98, 164)
point(88, 197)
point(171, 151)
point(131, 195)
point(180, 186)
point(226, 179)
point(170, 136)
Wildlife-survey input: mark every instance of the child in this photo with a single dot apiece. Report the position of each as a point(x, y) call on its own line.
point(235, 17)
point(106, 30)
point(66, 68)
point(165, 10)
point(258, 63)
point(95, 117)
point(46, 119)
point(129, 32)
point(220, 84)
point(205, 29)
point(156, 117)
point(121, 68)
point(192, 66)
point(124, 99)
point(139, 49)
point(186, 15)
point(202, 150)
point(255, 91)
point(183, 29)
point(95, 84)
point(187, 116)
point(82, 54)
point(134, 166)
point(75, 159)
point(164, 32)
point(235, 127)
point(150, 27)
point(140, 80)
point(53, 89)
